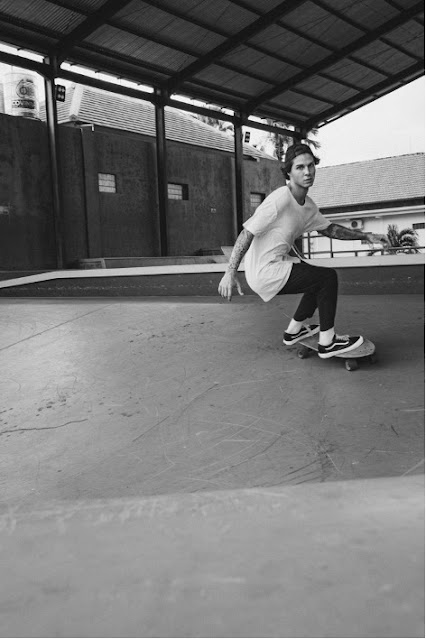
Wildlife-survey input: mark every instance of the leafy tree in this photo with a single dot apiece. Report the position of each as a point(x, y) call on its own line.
point(281, 142)
point(221, 125)
point(404, 241)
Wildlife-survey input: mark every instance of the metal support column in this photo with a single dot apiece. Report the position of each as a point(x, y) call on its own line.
point(55, 170)
point(162, 181)
point(239, 175)
point(298, 137)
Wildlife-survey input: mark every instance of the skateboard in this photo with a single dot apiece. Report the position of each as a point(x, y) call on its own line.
point(366, 351)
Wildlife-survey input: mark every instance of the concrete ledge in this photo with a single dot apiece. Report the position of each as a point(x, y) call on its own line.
point(405, 259)
point(142, 262)
point(381, 275)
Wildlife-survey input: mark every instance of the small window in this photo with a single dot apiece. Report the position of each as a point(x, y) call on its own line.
point(256, 199)
point(107, 183)
point(178, 191)
point(419, 225)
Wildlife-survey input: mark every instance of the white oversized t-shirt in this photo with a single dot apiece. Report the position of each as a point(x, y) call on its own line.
point(276, 224)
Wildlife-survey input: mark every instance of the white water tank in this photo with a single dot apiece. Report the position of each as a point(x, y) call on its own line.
point(20, 93)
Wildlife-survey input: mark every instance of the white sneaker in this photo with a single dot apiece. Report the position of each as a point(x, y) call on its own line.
point(305, 331)
point(340, 344)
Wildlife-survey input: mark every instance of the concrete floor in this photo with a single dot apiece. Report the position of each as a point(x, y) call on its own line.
point(112, 399)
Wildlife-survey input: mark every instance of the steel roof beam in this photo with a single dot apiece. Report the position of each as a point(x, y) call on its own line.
point(225, 65)
point(90, 24)
point(153, 38)
point(137, 32)
point(234, 102)
point(178, 14)
point(152, 97)
point(413, 72)
point(17, 60)
point(341, 16)
point(203, 25)
point(397, 6)
point(232, 43)
point(317, 42)
point(345, 52)
point(231, 67)
point(31, 34)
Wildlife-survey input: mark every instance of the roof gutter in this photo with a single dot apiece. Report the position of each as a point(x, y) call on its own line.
point(377, 213)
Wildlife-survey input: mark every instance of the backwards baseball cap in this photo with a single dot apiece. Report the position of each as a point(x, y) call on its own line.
point(293, 151)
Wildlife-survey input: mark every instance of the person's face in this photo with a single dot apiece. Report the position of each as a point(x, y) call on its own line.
point(302, 172)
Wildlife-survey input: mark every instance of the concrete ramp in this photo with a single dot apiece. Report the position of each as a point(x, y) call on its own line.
point(129, 398)
point(341, 559)
point(169, 469)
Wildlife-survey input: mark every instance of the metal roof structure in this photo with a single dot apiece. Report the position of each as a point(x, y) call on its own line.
point(301, 62)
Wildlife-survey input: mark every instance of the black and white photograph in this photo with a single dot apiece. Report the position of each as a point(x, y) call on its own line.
point(212, 380)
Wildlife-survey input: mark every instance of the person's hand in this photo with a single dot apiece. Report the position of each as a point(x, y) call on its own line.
point(376, 238)
point(227, 283)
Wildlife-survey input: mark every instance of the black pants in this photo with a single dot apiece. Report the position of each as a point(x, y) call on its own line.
point(319, 286)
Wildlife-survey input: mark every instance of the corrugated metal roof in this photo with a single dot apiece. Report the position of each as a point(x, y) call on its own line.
point(392, 179)
point(302, 62)
point(94, 106)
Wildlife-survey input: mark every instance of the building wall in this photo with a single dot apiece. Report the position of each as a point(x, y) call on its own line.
point(121, 224)
point(205, 219)
point(260, 177)
point(126, 221)
point(27, 236)
point(125, 224)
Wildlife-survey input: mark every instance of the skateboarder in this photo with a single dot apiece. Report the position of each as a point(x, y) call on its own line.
point(266, 241)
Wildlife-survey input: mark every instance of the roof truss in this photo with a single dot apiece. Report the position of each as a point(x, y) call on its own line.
point(274, 83)
point(347, 51)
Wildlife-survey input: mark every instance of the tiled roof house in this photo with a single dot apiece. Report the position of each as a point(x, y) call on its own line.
point(372, 194)
point(371, 184)
point(87, 105)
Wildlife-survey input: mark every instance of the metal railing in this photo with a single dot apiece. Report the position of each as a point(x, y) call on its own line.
point(309, 253)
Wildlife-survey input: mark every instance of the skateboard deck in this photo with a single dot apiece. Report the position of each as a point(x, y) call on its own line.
point(366, 350)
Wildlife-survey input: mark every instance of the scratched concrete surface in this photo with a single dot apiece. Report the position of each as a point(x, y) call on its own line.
point(119, 398)
point(334, 559)
point(113, 411)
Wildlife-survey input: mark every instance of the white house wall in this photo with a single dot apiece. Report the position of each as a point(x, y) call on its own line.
point(372, 222)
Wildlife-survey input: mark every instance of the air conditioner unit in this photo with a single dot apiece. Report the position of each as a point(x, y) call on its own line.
point(357, 224)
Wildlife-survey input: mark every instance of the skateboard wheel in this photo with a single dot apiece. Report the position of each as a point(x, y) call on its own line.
point(373, 359)
point(303, 352)
point(351, 364)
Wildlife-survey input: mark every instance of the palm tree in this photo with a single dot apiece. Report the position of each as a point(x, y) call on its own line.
point(406, 239)
point(279, 141)
point(221, 125)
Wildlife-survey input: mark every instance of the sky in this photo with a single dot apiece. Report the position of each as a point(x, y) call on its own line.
point(392, 125)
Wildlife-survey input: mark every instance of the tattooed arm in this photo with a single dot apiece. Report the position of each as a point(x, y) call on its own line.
point(230, 279)
point(338, 232)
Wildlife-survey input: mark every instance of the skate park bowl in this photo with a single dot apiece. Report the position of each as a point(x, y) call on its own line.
point(170, 469)
point(167, 467)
